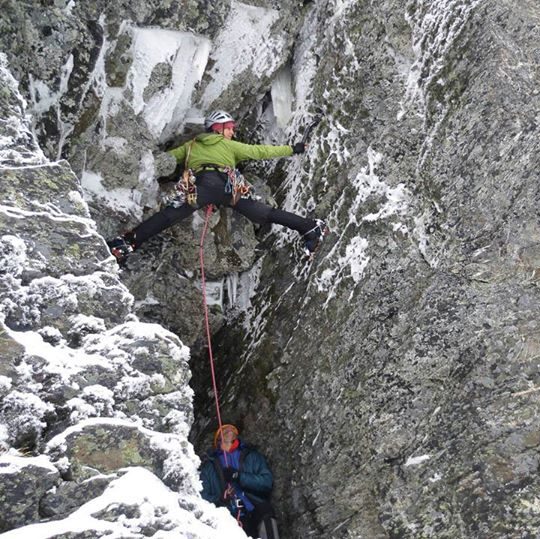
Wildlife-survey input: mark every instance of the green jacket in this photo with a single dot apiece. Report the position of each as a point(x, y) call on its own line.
point(214, 149)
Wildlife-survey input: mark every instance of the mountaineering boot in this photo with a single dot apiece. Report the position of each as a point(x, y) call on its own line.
point(122, 246)
point(314, 237)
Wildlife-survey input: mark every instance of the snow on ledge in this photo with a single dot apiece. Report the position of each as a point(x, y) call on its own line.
point(13, 464)
point(413, 461)
point(158, 507)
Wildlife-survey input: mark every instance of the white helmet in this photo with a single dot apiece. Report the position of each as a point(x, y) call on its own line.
point(217, 117)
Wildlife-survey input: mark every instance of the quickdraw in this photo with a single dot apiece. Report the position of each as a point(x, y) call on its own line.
point(186, 187)
point(237, 185)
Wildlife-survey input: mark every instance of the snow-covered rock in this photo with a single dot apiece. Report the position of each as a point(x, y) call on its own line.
point(393, 382)
point(89, 394)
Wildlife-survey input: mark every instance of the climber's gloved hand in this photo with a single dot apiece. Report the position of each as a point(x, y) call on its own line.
point(230, 474)
point(299, 147)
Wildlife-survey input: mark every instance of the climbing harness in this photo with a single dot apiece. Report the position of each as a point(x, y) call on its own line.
point(186, 187)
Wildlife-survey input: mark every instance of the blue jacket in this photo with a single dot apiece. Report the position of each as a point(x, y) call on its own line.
point(254, 477)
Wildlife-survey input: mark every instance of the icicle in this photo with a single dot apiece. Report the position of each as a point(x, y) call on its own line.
point(232, 288)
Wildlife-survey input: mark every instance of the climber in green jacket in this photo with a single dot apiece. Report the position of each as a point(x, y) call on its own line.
point(210, 177)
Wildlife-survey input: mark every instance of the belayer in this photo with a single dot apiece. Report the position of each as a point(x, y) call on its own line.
point(235, 475)
point(210, 177)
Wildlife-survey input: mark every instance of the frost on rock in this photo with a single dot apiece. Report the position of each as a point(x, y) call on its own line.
point(94, 401)
point(244, 37)
point(82, 325)
point(5, 385)
point(51, 301)
point(436, 27)
point(141, 370)
point(150, 511)
point(18, 146)
point(24, 416)
point(80, 377)
point(348, 258)
point(12, 255)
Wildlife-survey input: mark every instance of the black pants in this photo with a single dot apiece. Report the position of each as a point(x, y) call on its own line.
point(258, 523)
point(211, 190)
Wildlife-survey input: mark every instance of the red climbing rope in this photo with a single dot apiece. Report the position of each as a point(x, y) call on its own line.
point(208, 212)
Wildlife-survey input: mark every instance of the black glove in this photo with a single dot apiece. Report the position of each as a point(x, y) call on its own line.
point(299, 147)
point(230, 474)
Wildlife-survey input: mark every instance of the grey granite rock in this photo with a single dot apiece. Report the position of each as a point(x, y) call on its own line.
point(24, 482)
point(70, 495)
point(405, 391)
point(72, 349)
point(393, 382)
point(105, 448)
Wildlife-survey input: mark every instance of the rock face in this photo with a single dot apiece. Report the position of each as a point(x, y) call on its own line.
point(91, 398)
point(25, 482)
point(397, 373)
point(393, 382)
point(109, 89)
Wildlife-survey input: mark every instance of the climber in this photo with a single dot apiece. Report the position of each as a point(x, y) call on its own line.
point(235, 475)
point(210, 177)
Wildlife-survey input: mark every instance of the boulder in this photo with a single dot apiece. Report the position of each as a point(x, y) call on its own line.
point(24, 481)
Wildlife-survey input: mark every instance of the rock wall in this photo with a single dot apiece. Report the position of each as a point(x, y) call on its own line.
point(111, 86)
point(392, 382)
point(94, 402)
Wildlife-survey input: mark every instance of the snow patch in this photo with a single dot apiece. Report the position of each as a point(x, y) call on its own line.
point(414, 461)
point(14, 464)
point(121, 199)
point(352, 263)
point(186, 55)
point(69, 7)
point(173, 515)
point(245, 37)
